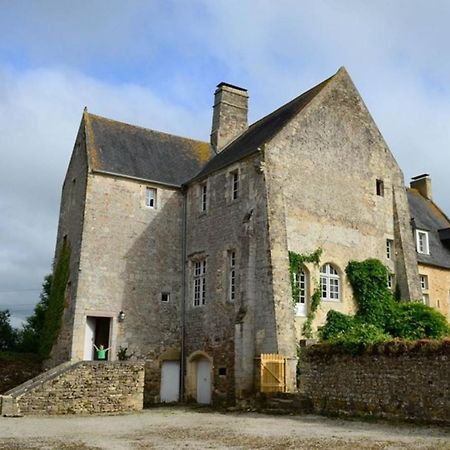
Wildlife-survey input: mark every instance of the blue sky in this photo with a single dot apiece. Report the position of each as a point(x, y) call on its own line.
point(156, 64)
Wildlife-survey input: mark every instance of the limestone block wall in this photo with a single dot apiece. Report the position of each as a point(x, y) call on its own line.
point(438, 288)
point(131, 254)
point(331, 156)
point(409, 384)
point(87, 388)
point(232, 333)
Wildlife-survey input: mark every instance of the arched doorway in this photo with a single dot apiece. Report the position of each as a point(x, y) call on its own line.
point(199, 377)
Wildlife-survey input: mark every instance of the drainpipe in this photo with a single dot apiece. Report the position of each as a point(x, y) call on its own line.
point(183, 291)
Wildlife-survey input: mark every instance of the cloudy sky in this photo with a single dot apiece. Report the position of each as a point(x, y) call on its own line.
point(156, 64)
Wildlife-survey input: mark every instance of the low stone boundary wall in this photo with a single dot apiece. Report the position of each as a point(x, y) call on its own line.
point(86, 387)
point(408, 381)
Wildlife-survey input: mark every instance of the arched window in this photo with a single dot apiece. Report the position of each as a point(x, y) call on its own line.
point(329, 283)
point(301, 282)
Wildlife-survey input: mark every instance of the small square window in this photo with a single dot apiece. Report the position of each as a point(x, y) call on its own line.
point(380, 188)
point(222, 371)
point(422, 242)
point(165, 297)
point(150, 197)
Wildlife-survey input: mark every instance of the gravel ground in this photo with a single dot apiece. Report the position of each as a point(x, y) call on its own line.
point(182, 428)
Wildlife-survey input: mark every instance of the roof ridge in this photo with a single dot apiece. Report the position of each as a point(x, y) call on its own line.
point(144, 128)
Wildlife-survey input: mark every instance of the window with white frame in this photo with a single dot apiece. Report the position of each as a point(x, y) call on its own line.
point(234, 184)
point(422, 242)
point(200, 282)
point(389, 248)
point(232, 272)
point(203, 197)
point(390, 281)
point(425, 286)
point(150, 197)
point(329, 283)
point(300, 280)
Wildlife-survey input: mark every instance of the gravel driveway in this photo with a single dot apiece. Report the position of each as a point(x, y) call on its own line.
point(182, 428)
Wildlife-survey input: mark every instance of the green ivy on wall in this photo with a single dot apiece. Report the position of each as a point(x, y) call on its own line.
point(53, 316)
point(296, 262)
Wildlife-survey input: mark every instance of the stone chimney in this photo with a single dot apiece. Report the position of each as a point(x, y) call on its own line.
point(229, 114)
point(423, 184)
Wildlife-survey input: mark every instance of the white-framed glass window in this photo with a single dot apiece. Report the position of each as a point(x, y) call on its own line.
point(390, 281)
point(232, 274)
point(234, 180)
point(203, 197)
point(301, 282)
point(330, 283)
point(422, 242)
point(389, 248)
point(200, 282)
point(425, 287)
point(150, 197)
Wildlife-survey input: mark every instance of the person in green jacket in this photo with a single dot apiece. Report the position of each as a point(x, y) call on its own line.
point(101, 352)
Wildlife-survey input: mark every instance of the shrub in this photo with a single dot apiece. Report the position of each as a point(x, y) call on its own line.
point(417, 321)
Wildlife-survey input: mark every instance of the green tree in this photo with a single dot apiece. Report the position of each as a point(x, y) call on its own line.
point(31, 334)
point(8, 334)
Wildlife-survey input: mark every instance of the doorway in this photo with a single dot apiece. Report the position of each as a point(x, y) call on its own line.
point(203, 381)
point(98, 333)
point(170, 381)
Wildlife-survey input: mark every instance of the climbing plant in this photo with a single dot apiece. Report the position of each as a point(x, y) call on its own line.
point(379, 316)
point(56, 300)
point(296, 262)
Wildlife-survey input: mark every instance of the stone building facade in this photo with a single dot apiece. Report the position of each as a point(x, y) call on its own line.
point(180, 247)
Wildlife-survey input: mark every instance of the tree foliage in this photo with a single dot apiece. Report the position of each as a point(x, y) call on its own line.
point(8, 334)
point(31, 334)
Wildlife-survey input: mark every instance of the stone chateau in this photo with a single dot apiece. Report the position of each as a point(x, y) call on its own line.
point(180, 248)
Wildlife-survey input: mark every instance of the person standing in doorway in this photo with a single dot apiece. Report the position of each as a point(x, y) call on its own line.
point(101, 352)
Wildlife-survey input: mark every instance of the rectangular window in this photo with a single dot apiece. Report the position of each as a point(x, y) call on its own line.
point(380, 188)
point(200, 282)
point(234, 184)
point(232, 276)
point(150, 197)
point(389, 248)
point(425, 286)
point(390, 281)
point(203, 197)
point(422, 242)
point(165, 297)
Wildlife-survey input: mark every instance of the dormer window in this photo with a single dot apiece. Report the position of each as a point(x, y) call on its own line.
point(422, 242)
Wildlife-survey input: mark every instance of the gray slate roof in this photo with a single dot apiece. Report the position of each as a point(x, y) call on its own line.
point(427, 216)
point(124, 149)
point(260, 132)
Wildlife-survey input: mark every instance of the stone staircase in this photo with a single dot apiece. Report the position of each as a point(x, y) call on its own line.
point(80, 387)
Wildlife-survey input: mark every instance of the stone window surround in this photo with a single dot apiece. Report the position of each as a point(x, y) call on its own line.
point(232, 274)
point(302, 280)
point(203, 196)
point(199, 272)
point(235, 184)
point(389, 249)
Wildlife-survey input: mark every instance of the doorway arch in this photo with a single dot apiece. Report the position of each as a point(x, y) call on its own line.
point(199, 373)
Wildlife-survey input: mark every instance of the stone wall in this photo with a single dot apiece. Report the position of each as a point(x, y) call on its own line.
point(86, 388)
point(438, 288)
point(329, 158)
point(408, 384)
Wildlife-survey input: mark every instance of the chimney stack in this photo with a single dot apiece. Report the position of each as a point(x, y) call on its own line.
point(423, 184)
point(229, 114)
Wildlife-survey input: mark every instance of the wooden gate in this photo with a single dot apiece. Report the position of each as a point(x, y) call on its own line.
point(273, 372)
